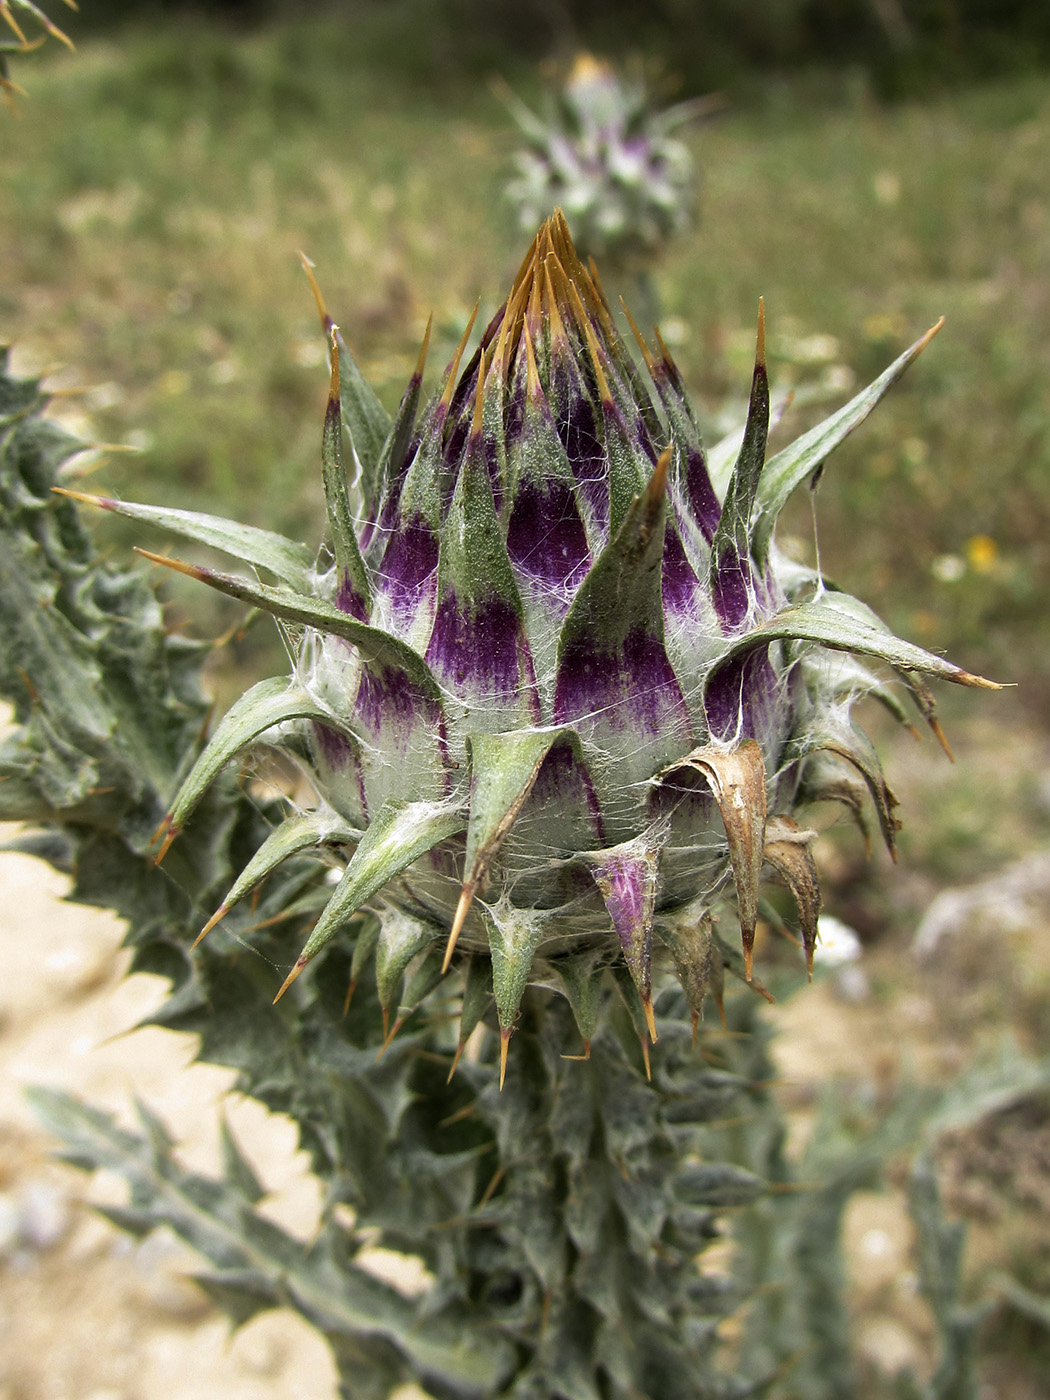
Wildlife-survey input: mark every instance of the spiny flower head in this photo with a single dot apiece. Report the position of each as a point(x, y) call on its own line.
point(606, 157)
point(555, 689)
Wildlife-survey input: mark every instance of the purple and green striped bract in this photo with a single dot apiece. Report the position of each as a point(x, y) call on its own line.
point(555, 689)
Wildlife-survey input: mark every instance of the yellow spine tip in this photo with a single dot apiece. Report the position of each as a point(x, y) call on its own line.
point(941, 737)
point(929, 335)
point(657, 488)
point(504, 1042)
point(602, 301)
point(592, 345)
point(83, 497)
point(389, 1035)
point(300, 964)
point(422, 359)
point(453, 369)
point(760, 342)
point(349, 994)
point(466, 898)
point(455, 1061)
point(179, 565)
point(165, 845)
point(532, 375)
point(647, 354)
point(696, 1027)
point(219, 915)
point(534, 305)
point(977, 682)
point(558, 335)
point(749, 961)
point(645, 1058)
point(665, 354)
point(13, 23)
point(322, 309)
point(650, 1018)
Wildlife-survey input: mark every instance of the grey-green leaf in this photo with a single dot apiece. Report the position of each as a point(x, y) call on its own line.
point(263, 707)
point(795, 464)
point(365, 417)
point(287, 560)
point(397, 836)
point(825, 621)
point(377, 647)
point(321, 827)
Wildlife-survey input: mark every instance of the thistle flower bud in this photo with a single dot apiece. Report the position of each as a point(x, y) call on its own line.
point(609, 159)
point(556, 690)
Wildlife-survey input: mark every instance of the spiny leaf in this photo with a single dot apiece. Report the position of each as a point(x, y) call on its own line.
point(825, 621)
point(730, 566)
point(795, 464)
point(579, 977)
point(687, 933)
point(478, 646)
point(718, 1185)
point(354, 591)
point(288, 561)
point(826, 779)
point(401, 937)
point(614, 677)
point(627, 876)
point(514, 935)
point(296, 833)
point(503, 768)
point(835, 734)
point(377, 647)
point(395, 448)
point(365, 417)
point(340, 1298)
point(787, 849)
point(237, 1169)
point(263, 707)
point(398, 835)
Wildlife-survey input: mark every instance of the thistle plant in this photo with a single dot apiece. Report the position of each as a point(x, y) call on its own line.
point(552, 688)
point(612, 162)
point(559, 701)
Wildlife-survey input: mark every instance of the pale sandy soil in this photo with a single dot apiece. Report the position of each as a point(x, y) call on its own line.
point(86, 1314)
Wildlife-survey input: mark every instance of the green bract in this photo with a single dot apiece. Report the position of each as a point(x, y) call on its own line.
point(554, 687)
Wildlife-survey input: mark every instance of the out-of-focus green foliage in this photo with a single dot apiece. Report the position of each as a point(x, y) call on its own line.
point(902, 45)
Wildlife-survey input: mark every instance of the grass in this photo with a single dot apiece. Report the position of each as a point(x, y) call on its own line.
point(160, 186)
